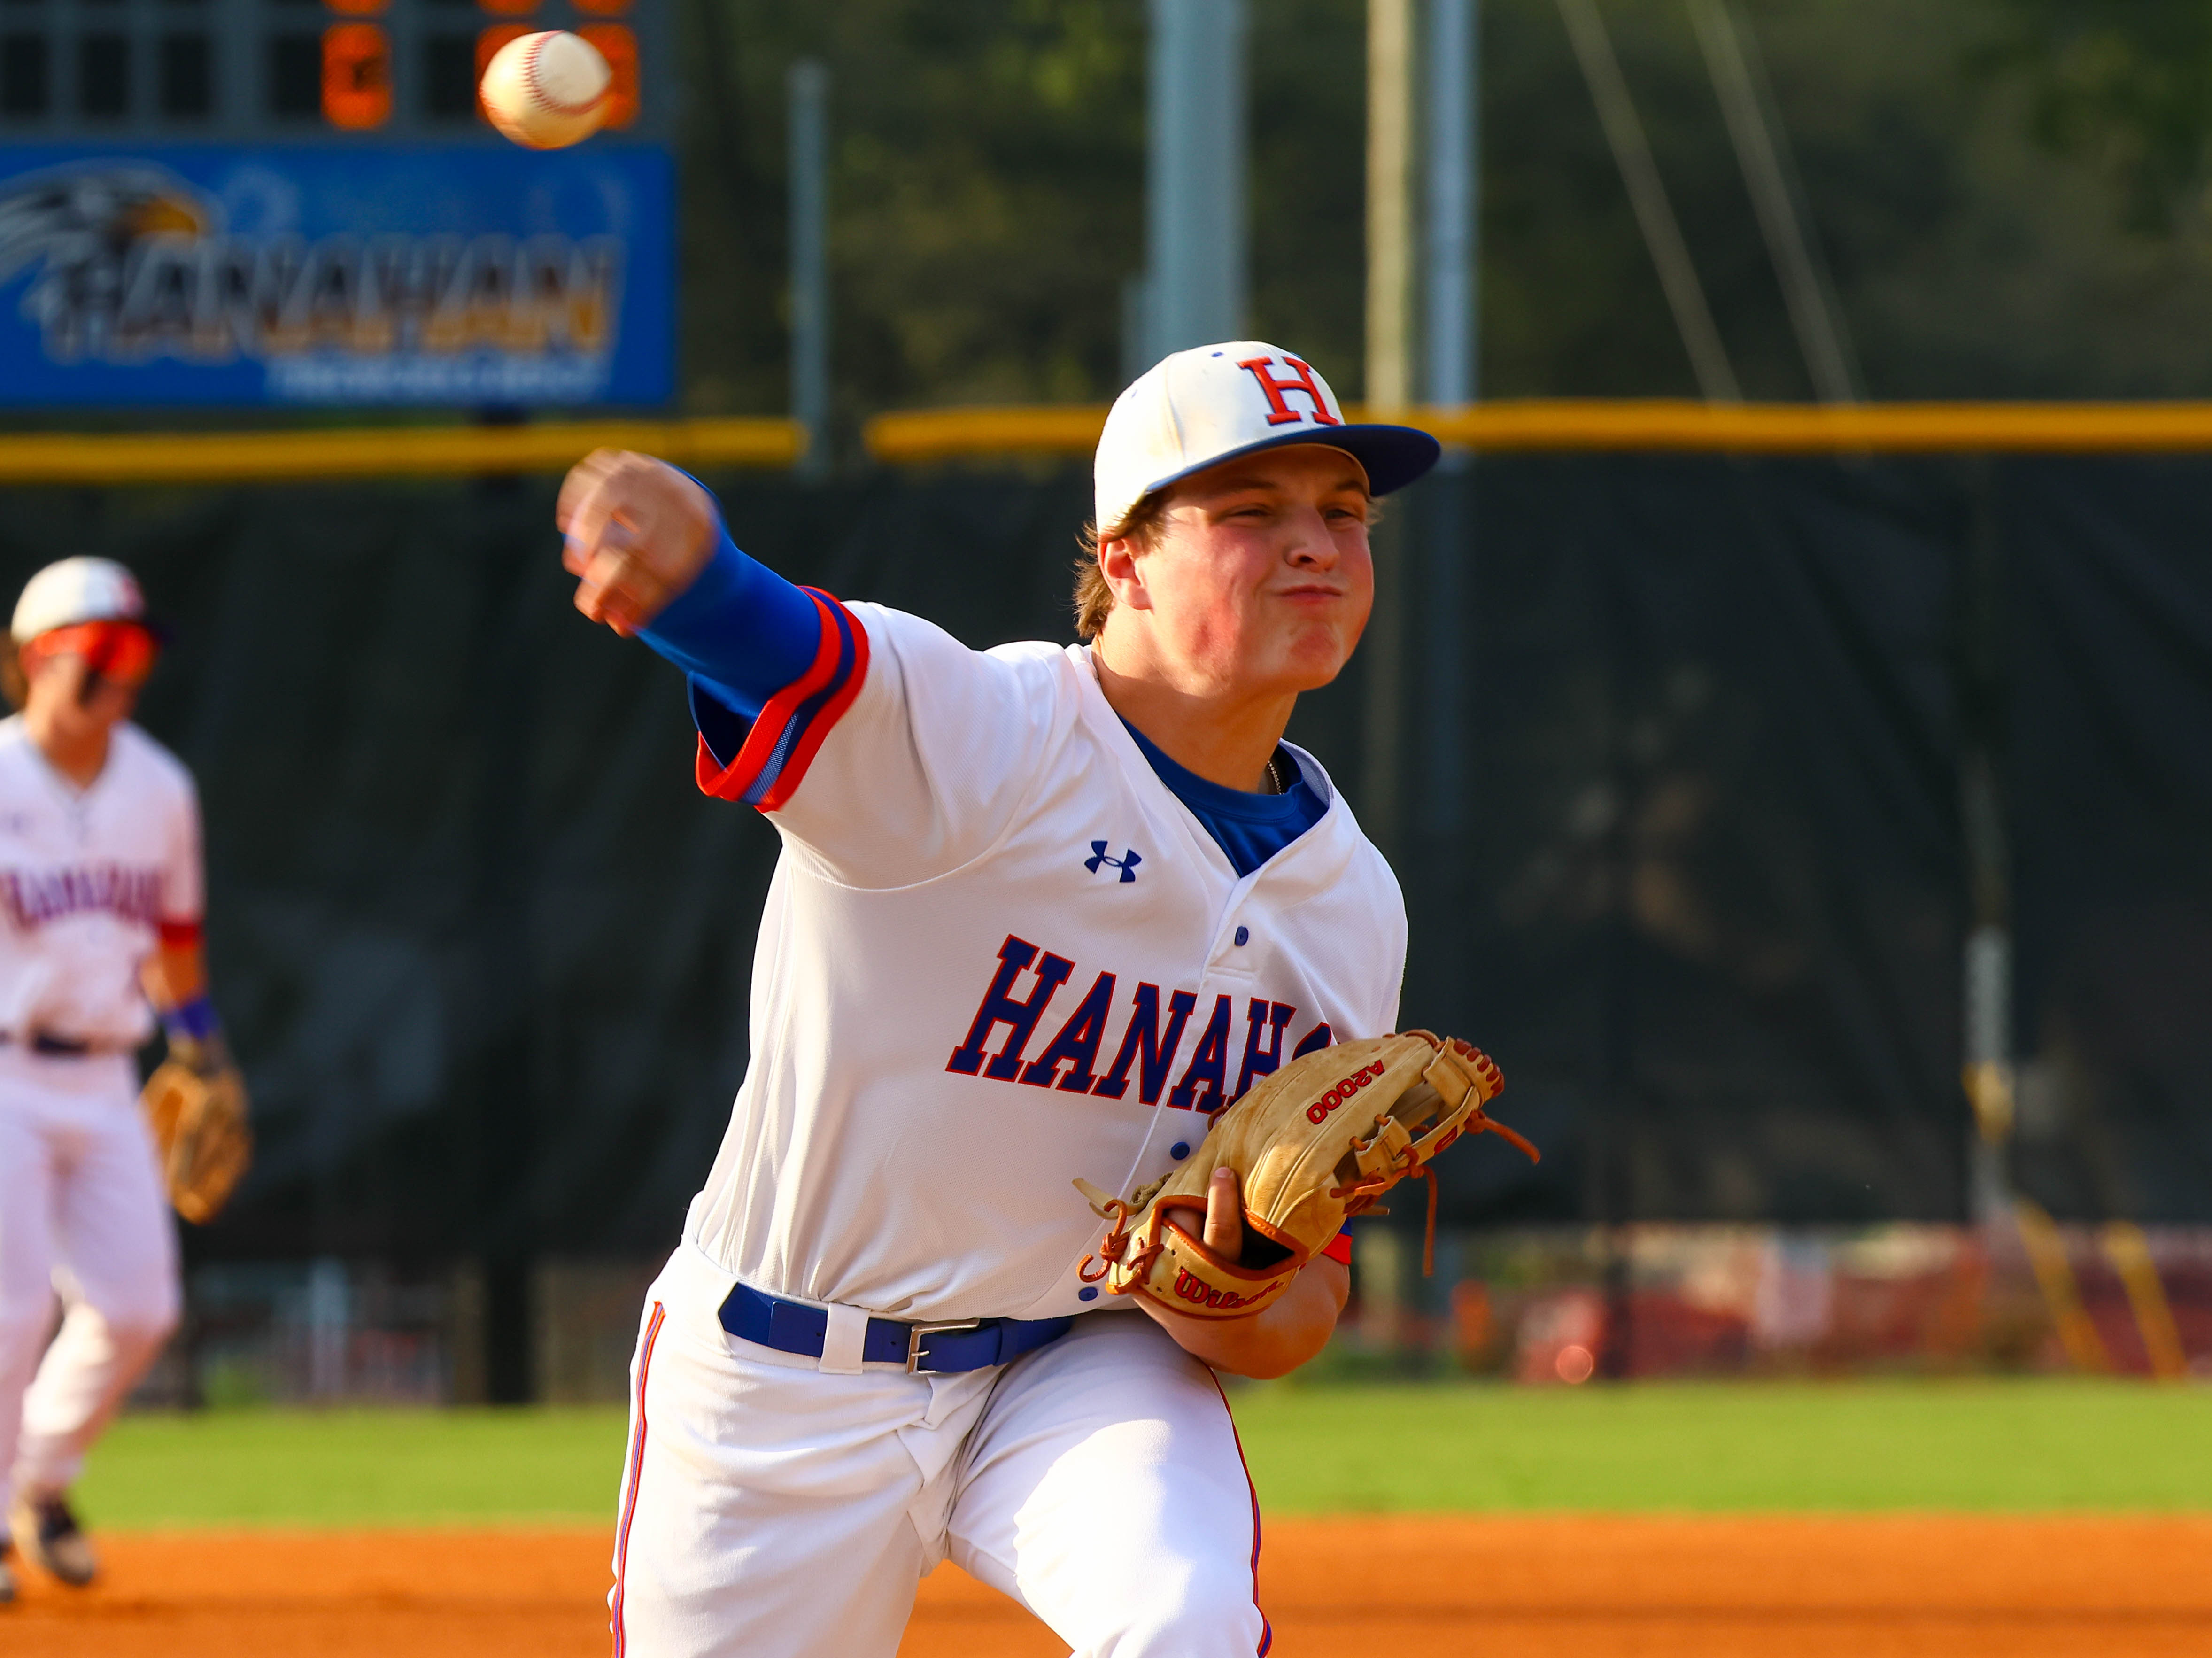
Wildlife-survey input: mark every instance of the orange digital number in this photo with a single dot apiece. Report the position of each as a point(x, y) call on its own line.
point(356, 77)
point(358, 8)
point(604, 7)
point(619, 47)
point(508, 8)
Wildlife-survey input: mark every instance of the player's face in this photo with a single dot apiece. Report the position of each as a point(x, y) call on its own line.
point(1261, 580)
point(68, 697)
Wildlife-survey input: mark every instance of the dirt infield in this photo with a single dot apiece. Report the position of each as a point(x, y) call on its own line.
point(1510, 1587)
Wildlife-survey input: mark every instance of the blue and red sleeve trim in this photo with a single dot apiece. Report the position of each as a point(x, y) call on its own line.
point(1340, 1248)
point(789, 730)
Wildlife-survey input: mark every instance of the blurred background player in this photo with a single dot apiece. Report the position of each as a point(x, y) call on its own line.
point(101, 884)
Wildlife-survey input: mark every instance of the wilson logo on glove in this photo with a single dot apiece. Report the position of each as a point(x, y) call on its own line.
point(1226, 1301)
point(1302, 1165)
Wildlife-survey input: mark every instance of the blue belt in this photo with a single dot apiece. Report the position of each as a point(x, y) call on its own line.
point(794, 1326)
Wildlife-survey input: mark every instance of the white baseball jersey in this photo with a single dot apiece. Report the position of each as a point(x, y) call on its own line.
point(999, 953)
point(87, 879)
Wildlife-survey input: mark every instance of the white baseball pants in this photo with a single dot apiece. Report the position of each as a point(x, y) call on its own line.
point(84, 1215)
point(773, 1509)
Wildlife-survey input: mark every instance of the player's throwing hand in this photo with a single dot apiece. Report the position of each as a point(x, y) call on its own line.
point(637, 532)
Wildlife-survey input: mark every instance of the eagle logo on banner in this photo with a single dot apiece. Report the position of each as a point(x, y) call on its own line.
point(79, 231)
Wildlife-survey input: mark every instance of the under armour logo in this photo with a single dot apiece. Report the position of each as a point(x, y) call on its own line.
point(1302, 382)
point(1099, 855)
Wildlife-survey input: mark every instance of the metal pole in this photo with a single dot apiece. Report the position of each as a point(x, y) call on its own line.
point(1451, 377)
point(1647, 195)
point(1732, 56)
point(810, 261)
point(1455, 195)
point(1389, 204)
point(1194, 204)
point(1986, 1021)
point(1390, 390)
point(1987, 1046)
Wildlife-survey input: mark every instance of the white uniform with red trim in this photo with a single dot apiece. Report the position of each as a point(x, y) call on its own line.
point(998, 953)
point(89, 882)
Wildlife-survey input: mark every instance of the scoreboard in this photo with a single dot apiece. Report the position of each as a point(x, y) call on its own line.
point(299, 202)
point(300, 70)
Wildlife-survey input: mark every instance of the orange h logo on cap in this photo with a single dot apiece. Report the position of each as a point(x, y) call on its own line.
point(1258, 368)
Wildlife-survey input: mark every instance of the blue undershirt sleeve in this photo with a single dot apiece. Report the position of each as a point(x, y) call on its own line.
point(741, 632)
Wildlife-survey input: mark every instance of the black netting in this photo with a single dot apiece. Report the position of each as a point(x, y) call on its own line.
point(1681, 758)
point(2108, 588)
point(1702, 868)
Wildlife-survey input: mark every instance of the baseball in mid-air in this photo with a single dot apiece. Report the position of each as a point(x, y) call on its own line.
point(547, 90)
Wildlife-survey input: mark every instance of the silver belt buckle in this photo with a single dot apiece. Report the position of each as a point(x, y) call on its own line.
point(915, 1331)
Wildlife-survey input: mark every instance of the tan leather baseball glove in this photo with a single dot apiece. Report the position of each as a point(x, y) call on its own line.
point(198, 1116)
point(1318, 1141)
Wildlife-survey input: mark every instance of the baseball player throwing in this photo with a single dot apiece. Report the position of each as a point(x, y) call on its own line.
point(100, 883)
point(1041, 914)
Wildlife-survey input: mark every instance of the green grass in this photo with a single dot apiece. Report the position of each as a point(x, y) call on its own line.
point(1977, 1445)
point(1984, 1445)
point(356, 1468)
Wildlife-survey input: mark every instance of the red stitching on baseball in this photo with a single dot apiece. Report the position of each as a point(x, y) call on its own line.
point(536, 87)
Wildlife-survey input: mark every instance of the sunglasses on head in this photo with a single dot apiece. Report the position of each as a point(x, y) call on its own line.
point(122, 652)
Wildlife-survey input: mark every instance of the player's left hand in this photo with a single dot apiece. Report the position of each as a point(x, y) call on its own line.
point(636, 533)
point(1291, 1151)
point(1224, 1215)
point(1288, 1331)
point(1277, 1340)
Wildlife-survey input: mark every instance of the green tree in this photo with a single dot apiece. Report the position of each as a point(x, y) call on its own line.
point(2007, 191)
point(2125, 84)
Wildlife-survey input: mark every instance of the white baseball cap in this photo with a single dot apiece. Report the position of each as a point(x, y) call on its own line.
point(77, 590)
point(1197, 408)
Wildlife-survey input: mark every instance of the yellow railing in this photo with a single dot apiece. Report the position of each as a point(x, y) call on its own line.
point(924, 435)
point(936, 434)
point(385, 451)
point(1815, 428)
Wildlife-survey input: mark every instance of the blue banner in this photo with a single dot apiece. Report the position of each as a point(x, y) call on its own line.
point(402, 275)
